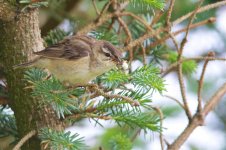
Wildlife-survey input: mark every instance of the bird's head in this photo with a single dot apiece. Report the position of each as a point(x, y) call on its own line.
point(107, 53)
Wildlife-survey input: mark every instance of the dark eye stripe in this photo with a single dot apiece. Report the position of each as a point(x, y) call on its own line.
point(107, 54)
point(112, 49)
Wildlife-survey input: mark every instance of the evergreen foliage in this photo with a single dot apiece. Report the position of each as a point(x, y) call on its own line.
point(58, 140)
point(7, 124)
point(52, 92)
point(114, 78)
point(77, 103)
point(54, 36)
point(148, 4)
point(145, 121)
point(144, 79)
point(138, 85)
point(188, 67)
point(121, 142)
point(103, 34)
point(118, 137)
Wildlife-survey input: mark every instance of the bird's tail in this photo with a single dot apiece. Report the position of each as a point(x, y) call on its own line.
point(24, 65)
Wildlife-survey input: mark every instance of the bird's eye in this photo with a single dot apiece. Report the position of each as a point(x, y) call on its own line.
point(107, 54)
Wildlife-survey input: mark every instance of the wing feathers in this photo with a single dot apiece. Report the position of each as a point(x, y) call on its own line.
point(70, 48)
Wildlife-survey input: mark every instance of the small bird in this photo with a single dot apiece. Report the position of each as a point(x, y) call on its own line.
point(77, 59)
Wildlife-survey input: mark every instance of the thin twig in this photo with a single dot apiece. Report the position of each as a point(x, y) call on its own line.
point(94, 24)
point(137, 18)
point(201, 80)
point(143, 54)
point(161, 125)
point(167, 143)
point(112, 23)
point(125, 28)
point(141, 39)
point(129, 35)
point(183, 93)
point(195, 25)
point(201, 9)
point(159, 14)
point(156, 18)
point(104, 117)
point(104, 9)
point(179, 71)
point(142, 21)
point(100, 20)
point(187, 30)
point(168, 23)
point(169, 12)
point(95, 7)
point(214, 100)
point(188, 27)
point(25, 139)
point(174, 41)
point(125, 98)
point(176, 100)
point(135, 135)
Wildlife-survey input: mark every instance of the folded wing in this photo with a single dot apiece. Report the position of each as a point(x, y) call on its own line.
point(71, 48)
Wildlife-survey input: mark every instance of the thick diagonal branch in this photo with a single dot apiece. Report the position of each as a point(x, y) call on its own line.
point(198, 118)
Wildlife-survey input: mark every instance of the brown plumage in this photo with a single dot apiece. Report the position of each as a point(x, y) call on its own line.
point(73, 47)
point(77, 59)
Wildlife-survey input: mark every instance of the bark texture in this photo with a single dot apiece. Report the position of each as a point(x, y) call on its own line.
point(19, 38)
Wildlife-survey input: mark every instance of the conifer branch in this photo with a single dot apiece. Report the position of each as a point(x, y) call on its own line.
point(198, 118)
point(126, 99)
point(179, 20)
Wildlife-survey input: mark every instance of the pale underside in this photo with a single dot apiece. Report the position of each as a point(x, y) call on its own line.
point(73, 72)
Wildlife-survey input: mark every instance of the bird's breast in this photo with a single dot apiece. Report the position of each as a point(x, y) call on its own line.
point(76, 71)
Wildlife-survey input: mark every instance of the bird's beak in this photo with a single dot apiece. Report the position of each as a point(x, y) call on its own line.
point(118, 61)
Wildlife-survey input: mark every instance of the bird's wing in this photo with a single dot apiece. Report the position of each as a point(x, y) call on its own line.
point(71, 48)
